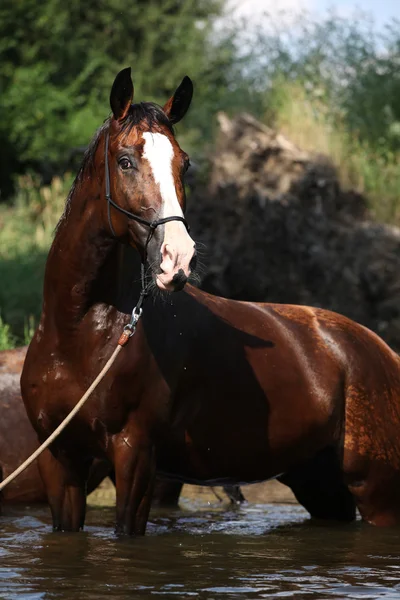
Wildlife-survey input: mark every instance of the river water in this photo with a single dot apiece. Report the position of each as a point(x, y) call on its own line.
point(204, 552)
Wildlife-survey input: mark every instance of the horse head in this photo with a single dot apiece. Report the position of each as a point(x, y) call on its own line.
point(144, 167)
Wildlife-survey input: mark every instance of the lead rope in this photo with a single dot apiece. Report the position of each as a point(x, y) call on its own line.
point(126, 335)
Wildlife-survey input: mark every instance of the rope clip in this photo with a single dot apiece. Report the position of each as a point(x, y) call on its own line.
point(130, 328)
point(136, 314)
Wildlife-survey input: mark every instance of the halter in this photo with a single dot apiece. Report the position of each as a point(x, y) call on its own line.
point(152, 225)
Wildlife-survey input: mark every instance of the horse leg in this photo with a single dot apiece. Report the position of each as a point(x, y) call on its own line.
point(1, 493)
point(99, 470)
point(135, 468)
point(319, 486)
point(166, 493)
point(65, 484)
point(375, 486)
point(234, 494)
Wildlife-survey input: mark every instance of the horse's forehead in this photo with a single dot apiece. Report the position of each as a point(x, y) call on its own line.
point(157, 147)
point(154, 141)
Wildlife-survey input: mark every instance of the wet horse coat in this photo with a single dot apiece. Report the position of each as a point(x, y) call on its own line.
point(18, 440)
point(208, 390)
point(17, 436)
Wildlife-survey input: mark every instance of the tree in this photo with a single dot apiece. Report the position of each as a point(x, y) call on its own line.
point(58, 61)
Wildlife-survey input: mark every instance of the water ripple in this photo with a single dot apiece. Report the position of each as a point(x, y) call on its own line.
point(259, 551)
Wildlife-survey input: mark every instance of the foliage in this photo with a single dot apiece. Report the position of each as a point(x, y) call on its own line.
point(6, 339)
point(344, 62)
point(58, 61)
point(307, 121)
point(26, 234)
point(333, 86)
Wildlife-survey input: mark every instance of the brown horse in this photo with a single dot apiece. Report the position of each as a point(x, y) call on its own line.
point(208, 390)
point(18, 440)
point(17, 437)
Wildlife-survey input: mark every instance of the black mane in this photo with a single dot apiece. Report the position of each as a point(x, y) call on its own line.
point(146, 112)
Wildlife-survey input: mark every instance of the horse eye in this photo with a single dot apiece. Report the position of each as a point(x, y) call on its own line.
point(187, 165)
point(125, 163)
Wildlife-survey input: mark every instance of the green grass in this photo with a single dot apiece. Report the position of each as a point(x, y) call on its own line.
point(7, 340)
point(26, 233)
point(307, 121)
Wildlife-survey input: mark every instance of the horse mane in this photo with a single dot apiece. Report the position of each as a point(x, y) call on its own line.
point(147, 116)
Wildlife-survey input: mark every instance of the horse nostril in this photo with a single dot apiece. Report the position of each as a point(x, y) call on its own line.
point(179, 280)
point(193, 262)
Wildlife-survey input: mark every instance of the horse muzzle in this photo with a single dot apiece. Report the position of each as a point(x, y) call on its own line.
point(176, 267)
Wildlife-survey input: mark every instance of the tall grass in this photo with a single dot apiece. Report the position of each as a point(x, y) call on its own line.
point(7, 340)
point(26, 234)
point(306, 119)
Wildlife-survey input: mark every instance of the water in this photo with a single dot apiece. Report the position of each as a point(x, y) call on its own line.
point(256, 551)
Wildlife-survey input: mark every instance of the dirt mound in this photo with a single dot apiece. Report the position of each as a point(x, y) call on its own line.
point(277, 227)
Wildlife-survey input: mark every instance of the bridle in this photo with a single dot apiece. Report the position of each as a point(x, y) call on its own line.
point(152, 225)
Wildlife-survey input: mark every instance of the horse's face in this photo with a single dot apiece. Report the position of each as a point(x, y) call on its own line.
point(146, 168)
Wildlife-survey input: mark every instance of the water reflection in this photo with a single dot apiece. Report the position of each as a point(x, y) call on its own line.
point(266, 551)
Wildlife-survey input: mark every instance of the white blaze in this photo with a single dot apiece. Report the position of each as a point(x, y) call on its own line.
point(159, 152)
point(178, 247)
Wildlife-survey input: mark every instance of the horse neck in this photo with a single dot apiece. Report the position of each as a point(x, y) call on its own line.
point(77, 256)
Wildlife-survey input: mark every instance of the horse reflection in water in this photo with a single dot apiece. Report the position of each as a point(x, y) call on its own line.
point(208, 390)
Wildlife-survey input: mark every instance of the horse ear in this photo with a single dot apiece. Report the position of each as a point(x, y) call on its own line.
point(177, 106)
point(121, 94)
